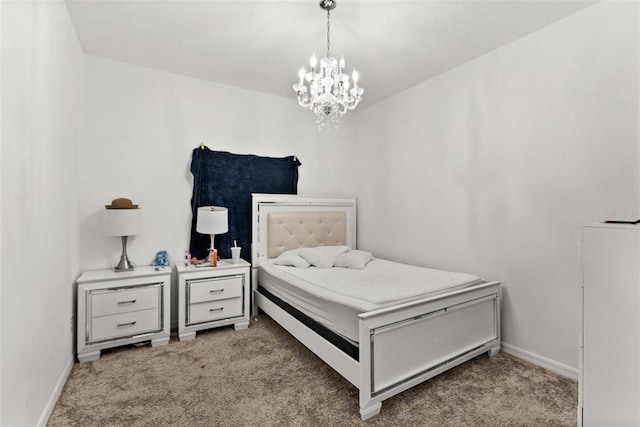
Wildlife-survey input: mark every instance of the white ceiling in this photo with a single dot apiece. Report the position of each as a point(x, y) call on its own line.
point(261, 45)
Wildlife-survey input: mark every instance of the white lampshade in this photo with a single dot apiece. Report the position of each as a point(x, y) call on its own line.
point(122, 222)
point(212, 220)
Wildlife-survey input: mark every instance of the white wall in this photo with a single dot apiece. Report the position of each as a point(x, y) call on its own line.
point(41, 96)
point(494, 166)
point(139, 129)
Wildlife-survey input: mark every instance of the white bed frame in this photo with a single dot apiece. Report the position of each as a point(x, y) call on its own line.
point(400, 346)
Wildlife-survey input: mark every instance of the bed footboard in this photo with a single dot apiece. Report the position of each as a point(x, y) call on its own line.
point(404, 345)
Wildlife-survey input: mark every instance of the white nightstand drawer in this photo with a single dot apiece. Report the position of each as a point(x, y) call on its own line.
point(125, 324)
point(215, 288)
point(108, 302)
point(213, 310)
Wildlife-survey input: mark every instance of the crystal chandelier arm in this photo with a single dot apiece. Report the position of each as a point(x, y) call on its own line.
point(303, 98)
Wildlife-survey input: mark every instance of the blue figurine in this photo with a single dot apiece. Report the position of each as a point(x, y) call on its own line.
point(162, 258)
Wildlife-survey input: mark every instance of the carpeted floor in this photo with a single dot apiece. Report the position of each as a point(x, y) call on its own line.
point(264, 377)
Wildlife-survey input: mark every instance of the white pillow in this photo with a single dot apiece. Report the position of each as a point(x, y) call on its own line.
point(322, 256)
point(291, 258)
point(353, 259)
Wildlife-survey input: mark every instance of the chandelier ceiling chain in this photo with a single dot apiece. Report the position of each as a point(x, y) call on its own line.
point(328, 32)
point(328, 93)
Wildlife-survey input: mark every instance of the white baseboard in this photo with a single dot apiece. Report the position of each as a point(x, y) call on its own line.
point(56, 393)
point(552, 365)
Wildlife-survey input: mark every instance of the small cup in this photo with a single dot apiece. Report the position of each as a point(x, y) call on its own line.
point(235, 255)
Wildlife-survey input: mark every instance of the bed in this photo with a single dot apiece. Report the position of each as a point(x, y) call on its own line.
point(382, 341)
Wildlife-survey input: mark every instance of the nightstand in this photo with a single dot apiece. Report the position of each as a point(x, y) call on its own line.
point(210, 297)
point(118, 308)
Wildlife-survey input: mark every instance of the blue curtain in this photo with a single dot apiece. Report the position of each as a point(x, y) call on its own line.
point(225, 179)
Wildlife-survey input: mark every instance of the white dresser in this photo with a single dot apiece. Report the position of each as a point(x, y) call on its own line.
point(118, 308)
point(609, 383)
point(210, 297)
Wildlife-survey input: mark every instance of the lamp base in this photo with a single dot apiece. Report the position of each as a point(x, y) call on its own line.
point(124, 264)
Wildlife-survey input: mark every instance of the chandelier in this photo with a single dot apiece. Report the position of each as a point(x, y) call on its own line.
point(327, 92)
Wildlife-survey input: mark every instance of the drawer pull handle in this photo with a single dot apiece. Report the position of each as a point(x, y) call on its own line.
point(211, 310)
point(216, 291)
point(120, 325)
point(131, 301)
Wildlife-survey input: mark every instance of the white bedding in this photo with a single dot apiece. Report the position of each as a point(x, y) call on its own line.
point(335, 296)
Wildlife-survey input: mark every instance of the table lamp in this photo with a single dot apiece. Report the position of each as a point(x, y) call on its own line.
point(122, 218)
point(212, 220)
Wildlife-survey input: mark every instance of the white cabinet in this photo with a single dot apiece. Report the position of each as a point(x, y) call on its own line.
point(118, 308)
point(609, 383)
point(210, 297)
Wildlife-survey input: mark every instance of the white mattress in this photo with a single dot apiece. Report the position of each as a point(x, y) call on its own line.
point(335, 296)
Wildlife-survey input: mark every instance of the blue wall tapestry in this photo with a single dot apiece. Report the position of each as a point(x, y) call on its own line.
point(225, 179)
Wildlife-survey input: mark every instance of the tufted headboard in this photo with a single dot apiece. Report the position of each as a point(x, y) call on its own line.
point(283, 222)
point(291, 230)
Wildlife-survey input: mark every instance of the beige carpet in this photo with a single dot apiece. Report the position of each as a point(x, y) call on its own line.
point(264, 377)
